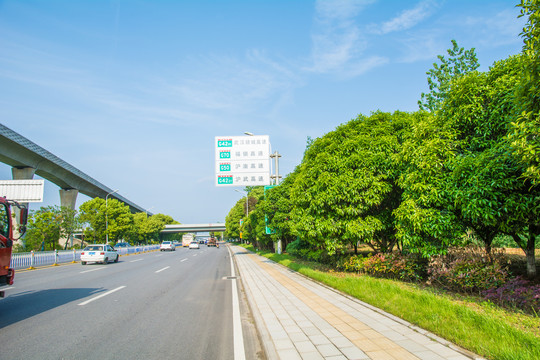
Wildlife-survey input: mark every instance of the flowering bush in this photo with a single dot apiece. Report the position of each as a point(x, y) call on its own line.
point(351, 264)
point(393, 265)
point(516, 293)
point(468, 270)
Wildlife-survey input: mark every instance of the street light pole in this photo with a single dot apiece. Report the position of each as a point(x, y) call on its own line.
point(107, 217)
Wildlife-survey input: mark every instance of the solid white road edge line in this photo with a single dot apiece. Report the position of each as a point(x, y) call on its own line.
point(100, 296)
point(160, 270)
point(239, 350)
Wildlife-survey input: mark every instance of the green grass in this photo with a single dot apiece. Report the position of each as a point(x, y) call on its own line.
point(480, 327)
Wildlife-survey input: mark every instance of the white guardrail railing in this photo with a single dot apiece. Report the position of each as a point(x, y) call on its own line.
point(30, 260)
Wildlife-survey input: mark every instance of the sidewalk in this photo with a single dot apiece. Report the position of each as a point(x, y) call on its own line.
point(300, 319)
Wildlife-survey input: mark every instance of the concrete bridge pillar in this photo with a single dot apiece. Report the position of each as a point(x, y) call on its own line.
point(68, 198)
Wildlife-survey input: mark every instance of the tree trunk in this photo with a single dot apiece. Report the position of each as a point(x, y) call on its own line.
point(530, 253)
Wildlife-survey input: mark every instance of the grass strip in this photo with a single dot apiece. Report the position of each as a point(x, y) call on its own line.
point(484, 329)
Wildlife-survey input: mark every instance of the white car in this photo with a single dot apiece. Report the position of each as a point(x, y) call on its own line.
point(194, 245)
point(99, 253)
point(167, 245)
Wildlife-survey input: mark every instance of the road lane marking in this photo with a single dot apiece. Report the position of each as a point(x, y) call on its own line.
point(183, 260)
point(96, 269)
point(160, 270)
point(238, 336)
point(136, 260)
point(100, 296)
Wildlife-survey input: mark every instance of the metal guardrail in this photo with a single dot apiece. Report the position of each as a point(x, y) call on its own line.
point(30, 260)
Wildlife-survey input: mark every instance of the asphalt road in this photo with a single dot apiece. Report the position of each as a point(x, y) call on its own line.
point(159, 305)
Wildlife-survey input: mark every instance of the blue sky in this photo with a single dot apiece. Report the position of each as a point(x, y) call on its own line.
point(134, 92)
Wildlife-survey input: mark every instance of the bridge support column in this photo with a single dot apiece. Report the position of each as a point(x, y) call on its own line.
point(68, 199)
point(21, 173)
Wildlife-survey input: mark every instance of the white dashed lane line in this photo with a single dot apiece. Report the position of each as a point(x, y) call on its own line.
point(160, 270)
point(100, 296)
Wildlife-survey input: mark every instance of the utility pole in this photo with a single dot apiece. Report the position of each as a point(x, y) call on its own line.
point(276, 157)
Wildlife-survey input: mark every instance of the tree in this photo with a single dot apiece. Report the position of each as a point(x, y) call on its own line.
point(277, 208)
point(96, 215)
point(459, 62)
point(346, 188)
point(232, 220)
point(43, 228)
point(526, 129)
point(69, 223)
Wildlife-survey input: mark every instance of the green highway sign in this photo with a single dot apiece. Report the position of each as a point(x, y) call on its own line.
point(224, 143)
point(225, 180)
point(224, 154)
point(224, 167)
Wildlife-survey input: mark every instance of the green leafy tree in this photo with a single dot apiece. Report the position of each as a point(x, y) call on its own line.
point(232, 220)
point(69, 224)
point(346, 188)
point(526, 128)
point(96, 214)
point(43, 229)
point(277, 208)
point(459, 62)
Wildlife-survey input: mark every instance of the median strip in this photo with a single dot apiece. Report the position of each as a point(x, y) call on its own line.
point(100, 296)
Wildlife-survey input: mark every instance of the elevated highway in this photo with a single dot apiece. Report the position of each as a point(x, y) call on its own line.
point(171, 229)
point(28, 158)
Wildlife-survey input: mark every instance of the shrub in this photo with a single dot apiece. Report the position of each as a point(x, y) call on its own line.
point(516, 293)
point(393, 266)
point(305, 250)
point(468, 270)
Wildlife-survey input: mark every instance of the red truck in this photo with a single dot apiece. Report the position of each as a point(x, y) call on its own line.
point(7, 224)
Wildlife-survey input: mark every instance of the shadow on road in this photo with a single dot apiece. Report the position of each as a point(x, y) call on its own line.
point(21, 306)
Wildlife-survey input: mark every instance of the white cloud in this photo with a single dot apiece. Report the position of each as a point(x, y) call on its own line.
point(337, 42)
point(408, 18)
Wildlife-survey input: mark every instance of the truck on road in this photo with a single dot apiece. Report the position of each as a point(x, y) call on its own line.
point(187, 239)
point(7, 225)
point(212, 242)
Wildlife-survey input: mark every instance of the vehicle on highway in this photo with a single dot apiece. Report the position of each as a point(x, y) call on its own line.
point(212, 242)
point(100, 253)
point(187, 239)
point(7, 236)
point(194, 245)
point(167, 246)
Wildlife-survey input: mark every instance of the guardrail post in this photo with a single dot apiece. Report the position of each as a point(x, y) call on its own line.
point(74, 256)
point(55, 258)
point(31, 260)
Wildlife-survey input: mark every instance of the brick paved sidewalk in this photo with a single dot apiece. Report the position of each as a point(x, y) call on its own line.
point(301, 319)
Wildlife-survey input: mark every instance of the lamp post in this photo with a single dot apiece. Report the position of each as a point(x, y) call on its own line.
point(107, 216)
point(147, 210)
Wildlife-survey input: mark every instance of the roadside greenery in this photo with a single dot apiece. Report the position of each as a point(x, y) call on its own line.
point(432, 193)
point(480, 327)
point(52, 227)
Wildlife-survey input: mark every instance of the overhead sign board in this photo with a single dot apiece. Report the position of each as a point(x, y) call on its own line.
point(242, 160)
point(25, 191)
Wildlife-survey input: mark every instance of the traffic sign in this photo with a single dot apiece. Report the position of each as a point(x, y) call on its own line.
point(242, 160)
